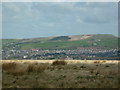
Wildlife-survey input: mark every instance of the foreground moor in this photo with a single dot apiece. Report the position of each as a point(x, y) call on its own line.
point(60, 74)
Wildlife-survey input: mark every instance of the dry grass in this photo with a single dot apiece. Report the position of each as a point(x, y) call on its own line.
point(17, 72)
point(74, 74)
point(96, 61)
point(59, 62)
point(8, 66)
point(16, 68)
point(104, 61)
point(39, 68)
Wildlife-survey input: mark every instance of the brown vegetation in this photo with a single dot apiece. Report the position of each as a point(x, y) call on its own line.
point(60, 74)
point(59, 62)
point(16, 69)
point(8, 66)
point(32, 68)
point(96, 61)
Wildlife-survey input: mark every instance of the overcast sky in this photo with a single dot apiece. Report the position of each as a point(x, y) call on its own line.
point(43, 19)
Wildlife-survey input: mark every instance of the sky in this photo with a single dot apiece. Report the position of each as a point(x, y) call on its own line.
point(43, 19)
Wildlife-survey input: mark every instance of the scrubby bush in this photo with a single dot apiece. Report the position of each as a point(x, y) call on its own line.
point(59, 62)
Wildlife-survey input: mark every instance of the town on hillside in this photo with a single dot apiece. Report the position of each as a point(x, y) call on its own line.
point(12, 50)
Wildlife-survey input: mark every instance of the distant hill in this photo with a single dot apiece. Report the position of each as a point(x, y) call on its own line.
point(62, 42)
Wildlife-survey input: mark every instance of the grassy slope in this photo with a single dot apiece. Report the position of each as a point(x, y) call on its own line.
point(106, 40)
point(56, 44)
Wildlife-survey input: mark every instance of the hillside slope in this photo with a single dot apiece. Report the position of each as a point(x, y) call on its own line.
point(62, 42)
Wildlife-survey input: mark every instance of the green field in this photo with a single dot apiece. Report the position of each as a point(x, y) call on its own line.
point(101, 40)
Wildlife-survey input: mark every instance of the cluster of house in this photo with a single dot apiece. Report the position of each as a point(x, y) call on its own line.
point(79, 53)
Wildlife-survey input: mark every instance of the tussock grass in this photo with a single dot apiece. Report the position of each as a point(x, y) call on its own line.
point(59, 62)
point(30, 68)
point(96, 61)
point(21, 69)
point(9, 66)
point(104, 61)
